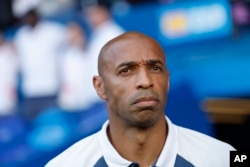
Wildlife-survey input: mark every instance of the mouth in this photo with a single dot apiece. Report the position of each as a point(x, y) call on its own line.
point(146, 102)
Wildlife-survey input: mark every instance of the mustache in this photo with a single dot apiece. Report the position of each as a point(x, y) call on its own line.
point(144, 95)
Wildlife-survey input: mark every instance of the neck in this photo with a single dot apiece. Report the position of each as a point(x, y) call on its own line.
point(139, 145)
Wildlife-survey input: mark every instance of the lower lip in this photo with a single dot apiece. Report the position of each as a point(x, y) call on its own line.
point(146, 103)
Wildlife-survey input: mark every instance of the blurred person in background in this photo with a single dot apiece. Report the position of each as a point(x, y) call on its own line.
point(73, 95)
point(134, 82)
point(8, 77)
point(103, 28)
point(240, 16)
point(39, 44)
point(7, 18)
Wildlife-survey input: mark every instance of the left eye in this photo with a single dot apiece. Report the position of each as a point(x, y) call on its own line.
point(125, 70)
point(156, 68)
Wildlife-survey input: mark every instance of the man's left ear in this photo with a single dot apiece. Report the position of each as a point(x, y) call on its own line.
point(99, 87)
point(168, 78)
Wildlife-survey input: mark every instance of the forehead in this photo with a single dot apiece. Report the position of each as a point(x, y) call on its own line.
point(136, 49)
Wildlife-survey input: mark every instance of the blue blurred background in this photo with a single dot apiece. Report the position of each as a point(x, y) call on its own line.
point(207, 44)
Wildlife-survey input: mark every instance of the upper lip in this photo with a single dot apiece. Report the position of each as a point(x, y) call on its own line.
point(145, 99)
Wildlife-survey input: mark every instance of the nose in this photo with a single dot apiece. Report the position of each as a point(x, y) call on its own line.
point(144, 79)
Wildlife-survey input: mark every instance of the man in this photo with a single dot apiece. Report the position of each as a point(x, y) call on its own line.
point(134, 82)
point(103, 28)
point(39, 44)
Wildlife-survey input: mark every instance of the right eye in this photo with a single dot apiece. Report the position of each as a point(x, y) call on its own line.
point(126, 71)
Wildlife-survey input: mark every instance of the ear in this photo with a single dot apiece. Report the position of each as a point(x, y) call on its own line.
point(168, 79)
point(99, 87)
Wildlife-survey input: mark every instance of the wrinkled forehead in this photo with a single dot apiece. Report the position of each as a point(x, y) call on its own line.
point(138, 48)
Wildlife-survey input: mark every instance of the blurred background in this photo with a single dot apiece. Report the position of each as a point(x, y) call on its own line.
point(48, 54)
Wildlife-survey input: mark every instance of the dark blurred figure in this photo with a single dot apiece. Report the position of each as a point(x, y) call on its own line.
point(39, 44)
point(241, 15)
point(6, 14)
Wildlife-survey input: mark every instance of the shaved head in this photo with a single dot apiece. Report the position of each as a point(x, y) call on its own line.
point(132, 68)
point(122, 43)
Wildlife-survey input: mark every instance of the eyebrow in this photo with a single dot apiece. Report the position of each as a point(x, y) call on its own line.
point(151, 62)
point(130, 63)
point(133, 63)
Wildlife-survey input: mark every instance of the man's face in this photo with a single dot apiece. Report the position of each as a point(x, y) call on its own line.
point(135, 82)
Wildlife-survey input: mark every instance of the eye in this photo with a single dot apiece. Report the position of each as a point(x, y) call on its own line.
point(128, 70)
point(125, 71)
point(155, 68)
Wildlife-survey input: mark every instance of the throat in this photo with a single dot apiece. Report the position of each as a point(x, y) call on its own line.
point(142, 148)
point(140, 145)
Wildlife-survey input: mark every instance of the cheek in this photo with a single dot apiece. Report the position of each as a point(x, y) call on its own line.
point(116, 92)
point(117, 100)
point(162, 87)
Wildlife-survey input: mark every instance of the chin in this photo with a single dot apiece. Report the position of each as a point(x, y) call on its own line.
point(145, 124)
point(146, 120)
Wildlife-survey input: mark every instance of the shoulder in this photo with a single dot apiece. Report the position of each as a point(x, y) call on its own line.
point(21, 32)
point(51, 24)
point(202, 149)
point(83, 152)
point(201, 140)
point(110, 30)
